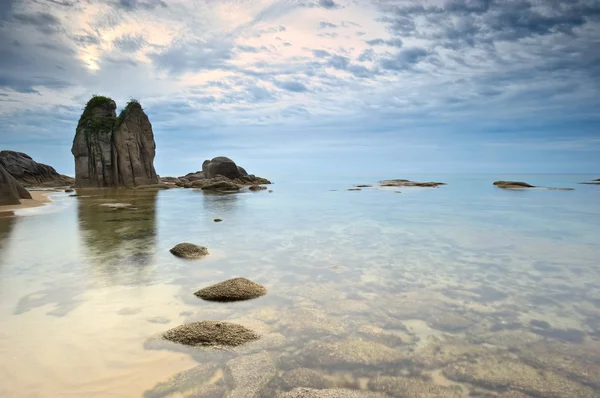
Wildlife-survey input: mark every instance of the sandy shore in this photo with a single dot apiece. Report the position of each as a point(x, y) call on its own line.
point(39, 199)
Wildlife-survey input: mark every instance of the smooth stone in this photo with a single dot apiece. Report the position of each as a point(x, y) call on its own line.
point(217, 220)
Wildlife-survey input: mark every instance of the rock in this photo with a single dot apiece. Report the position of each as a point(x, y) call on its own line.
point(354, 189)
point(523, 185)
point(304, 377)
point(408, 183)
point(217, 220)
point(111, 151)
point(194, 380)
point(11, 191)
point(270, 191)
point(68, 190)
point(363, 186)
point(330, 393)
point(235, 289)
point(405, 387)
point(30, 173)
point(352, 353)
point(211, 333)
point(221, 166)
point(250, 374)
point(256, 188)
point(498, 373)
point(221, 186)
point(189, 250)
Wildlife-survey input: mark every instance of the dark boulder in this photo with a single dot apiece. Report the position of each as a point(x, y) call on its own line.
point(189, 250)
point(408, 183)
point(221, 166)
point(28, 172)
point(11, 191)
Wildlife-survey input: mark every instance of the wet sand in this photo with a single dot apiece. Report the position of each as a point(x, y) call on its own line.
point(39, 199)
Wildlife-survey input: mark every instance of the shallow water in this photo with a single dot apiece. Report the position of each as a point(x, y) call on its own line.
point(463, 289)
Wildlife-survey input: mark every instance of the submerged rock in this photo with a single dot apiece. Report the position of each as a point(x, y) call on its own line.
point(235, 289)
point(211, 333)
point(352, 353)
point(404, 387)
point(11, 191)
point(221, 186)
point(523, 185)
point(408, 183)
point(304, 377)
point(330, 393)
point(192, 381)
point(501, 373)
point(189, 250)
point(30, 173)
point(250, 374)
point(111, 151)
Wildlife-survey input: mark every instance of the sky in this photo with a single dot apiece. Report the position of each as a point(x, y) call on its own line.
point(314, 87)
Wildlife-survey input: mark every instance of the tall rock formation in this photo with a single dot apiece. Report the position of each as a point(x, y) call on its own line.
point(31, 173)
point(111, 151)
point(10, 190)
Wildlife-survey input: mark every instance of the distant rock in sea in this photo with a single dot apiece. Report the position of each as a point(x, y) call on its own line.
point(524, 185)
point(593, 182)
point(408, 183)
point(220, 174)
point(11, 191)
point(113, 151)
point(30, 173)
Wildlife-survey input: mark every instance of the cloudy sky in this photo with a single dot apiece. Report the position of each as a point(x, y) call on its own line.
point(314, 87)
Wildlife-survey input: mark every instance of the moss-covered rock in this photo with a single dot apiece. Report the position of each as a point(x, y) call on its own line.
point(189, 251)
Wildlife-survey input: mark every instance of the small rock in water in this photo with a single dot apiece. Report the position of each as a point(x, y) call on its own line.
point(235, 289)
point(69, 190)
point(257, 188)
point(189, 250)
point(270, 191)
point(158, 319)
point(217, 220)
point(210, 333)
point(354, 189)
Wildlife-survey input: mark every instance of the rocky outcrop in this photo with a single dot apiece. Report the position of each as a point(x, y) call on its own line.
point(408, 183)
point(235, 289)
point(11, 191)
point(111, 151)
point(30, 173)
point(524, 185)
point(593, 182)
point(211, 333)
point(219, 174)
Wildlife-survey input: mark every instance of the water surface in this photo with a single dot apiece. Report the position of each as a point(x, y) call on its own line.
point(433, 288)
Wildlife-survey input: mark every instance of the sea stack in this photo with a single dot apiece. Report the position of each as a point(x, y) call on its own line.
point(113, 151)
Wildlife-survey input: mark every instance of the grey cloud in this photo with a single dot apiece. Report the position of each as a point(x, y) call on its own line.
point(62, 3)
point(129, 43)
point(131, 5)
point(375, 42)
point(360, 33)
point(86, 40)
point(42, 21)
point(324, 25)
point(287, 44)
point(339, 62)
point(321, 53)
point(404, 59)
point(27, 86)
point(194, 56)
point(395, 42)
point(360, 71)
point(293, 86)
point(332, 35)
point(329, 4)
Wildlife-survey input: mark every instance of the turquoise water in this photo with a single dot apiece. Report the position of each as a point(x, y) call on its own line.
point(450, 291)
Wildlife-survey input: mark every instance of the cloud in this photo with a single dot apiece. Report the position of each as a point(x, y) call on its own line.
point(321, 53)
point(149, 5)
point(292, 86)
point(129, 42)
point(324, 25)
point(42, 21)
point(329, 4)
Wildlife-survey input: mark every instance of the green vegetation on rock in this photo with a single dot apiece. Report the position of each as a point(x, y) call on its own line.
point(104, 125)
point(132, 105)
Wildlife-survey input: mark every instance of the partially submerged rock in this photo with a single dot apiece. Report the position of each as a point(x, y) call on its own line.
point(304, 377)
point(257, 188)
point(189, 250)
point(353, 353)
point(211, 333)
point(192, 381)
point(30, 173)
point(408, 183)
point(235, 289)
point(11, 191)
point(593, 182)
point(221, 186)
point(524, 185)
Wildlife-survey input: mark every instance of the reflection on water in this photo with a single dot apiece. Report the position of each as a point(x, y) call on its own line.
point(463, 291)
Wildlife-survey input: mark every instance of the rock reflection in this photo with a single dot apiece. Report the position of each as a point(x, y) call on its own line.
point(119, 228)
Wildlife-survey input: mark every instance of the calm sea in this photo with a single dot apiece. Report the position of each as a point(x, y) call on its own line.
point(457, 291)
